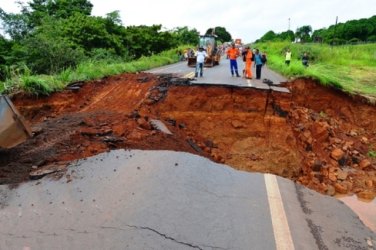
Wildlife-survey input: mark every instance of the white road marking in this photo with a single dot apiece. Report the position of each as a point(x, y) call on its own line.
point(282, 234)
point(249, 82)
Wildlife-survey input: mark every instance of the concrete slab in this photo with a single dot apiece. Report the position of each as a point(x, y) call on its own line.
point(280, 89)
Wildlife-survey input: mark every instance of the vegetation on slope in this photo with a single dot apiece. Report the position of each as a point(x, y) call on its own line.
point(351, 68)
point(88, 70)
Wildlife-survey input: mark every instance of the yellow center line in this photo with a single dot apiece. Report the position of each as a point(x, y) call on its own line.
point(189, 75)
point(282, 234)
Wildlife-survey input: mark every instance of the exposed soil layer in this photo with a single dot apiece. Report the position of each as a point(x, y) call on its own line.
point(316, 136)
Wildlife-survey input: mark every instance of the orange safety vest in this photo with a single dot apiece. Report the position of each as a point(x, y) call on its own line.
point(249, 55)
point(248, 64)
point(233, 53)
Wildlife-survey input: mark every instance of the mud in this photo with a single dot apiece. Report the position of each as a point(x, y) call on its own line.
point(316, 136)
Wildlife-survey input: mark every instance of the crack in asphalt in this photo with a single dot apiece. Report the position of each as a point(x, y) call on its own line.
point(303, 203)
point(163, 235)
point(315, 230)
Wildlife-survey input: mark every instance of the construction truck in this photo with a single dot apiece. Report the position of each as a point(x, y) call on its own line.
point(13, 128)
point(209, 43)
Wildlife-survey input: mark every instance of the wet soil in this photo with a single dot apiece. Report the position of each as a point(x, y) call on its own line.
point(315, 135)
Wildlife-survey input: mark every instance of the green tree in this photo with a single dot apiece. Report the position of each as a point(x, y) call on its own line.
point(358, 29)
point(319, 35)
point(372, 38)
point(184, 35)
point(36, 10)
point(353, 30)
point(287, 36)
point(268, 36)
point(304, 33)
point(18, 26)
point(51, 35)
point(114, 18)
point(146, 40)
point(5, 50)
point(222, 34)
point(47, 50)
point(15, 25)
point(91, 33)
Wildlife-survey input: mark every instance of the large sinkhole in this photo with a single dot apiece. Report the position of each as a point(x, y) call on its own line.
point(314, 135)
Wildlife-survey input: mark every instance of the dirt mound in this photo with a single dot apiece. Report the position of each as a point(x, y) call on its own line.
point(316, 136)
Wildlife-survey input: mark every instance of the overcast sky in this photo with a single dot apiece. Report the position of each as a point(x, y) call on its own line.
point(244, 19)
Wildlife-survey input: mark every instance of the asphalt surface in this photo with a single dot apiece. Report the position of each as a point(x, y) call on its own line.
point(172, 200)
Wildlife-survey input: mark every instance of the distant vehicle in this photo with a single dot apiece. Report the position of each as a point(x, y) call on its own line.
point(238, 41)
point(209, 43)
point(13, 129)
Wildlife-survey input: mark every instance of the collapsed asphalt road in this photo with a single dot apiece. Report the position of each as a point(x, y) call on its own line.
point(315, 136)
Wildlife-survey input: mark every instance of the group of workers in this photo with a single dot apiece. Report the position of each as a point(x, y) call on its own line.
point(288, 56)
point(249, 56)
point(233, 53)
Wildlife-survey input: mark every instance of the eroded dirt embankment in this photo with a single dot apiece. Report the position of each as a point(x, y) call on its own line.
point(316, 136)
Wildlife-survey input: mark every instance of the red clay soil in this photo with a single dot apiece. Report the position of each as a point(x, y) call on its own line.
point(316, 136)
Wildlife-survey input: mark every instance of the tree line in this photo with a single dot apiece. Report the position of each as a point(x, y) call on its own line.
point(362, 30)
point(48, 36)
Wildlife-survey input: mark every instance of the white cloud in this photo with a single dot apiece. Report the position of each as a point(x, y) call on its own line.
point(244, 19)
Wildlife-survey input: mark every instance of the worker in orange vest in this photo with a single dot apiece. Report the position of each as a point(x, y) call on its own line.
point(248, 62)
point(232, 54)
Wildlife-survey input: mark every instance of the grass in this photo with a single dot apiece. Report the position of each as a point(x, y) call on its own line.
point(351, 68)
point(88, 70)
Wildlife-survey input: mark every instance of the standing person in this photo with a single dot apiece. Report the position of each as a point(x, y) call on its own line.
point(288, 57)
point(305, 59)
point(248, 62)
point(263, 58)
point(244, 53)
point(258, 63)
point(200, 55)
point(180, 55)
point(191, 52)
point(232, 54)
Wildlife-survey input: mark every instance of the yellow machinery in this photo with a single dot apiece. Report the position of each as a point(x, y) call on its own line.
point(13, 129)
point(209, 43)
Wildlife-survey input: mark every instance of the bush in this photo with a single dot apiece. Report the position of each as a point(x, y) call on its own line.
point(354, 40)
point(337, 41)
point(50, 56)
point(372, 38)
point(107, 55)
